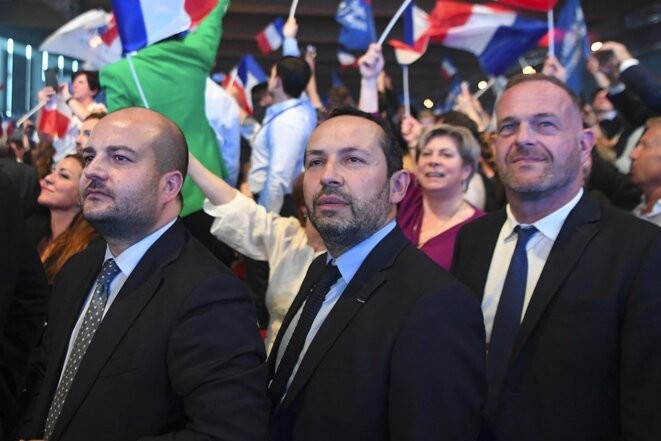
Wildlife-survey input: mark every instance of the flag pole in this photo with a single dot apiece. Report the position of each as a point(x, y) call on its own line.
point(393, 20)
point(32, 111)
point(549, 20)
point(137, 80)
point(407, 97)
point(292, 9)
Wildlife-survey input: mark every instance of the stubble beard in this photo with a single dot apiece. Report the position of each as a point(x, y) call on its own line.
point(341, 234)
point(122, 222)
point(547, 182)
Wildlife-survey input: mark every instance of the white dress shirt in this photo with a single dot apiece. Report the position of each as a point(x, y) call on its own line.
point(538, 249)
point(126, 261)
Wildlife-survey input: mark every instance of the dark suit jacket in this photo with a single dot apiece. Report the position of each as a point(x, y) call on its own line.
point(586, 362)
point(23, 300)
point(177, 356)
point(399, 357)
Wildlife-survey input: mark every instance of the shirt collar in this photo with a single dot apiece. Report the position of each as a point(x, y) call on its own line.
point(349, 262)
point(549, 225)
point(278, 107)
point(130, 257)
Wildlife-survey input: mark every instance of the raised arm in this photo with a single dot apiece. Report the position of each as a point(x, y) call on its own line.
point(216, 189)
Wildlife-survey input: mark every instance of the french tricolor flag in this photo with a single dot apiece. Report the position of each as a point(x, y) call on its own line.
point(270, 39)
point(496, 35)
point(533, 5)
point(143, 22)
point(54, 118)
point(414, 45)
point(244, 76)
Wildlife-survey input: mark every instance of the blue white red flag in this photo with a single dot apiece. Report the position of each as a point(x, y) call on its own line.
point(574, 47)
point(271, 37)
point(91, 37)
point(496, 35)
point(143, 22)
point(346, 59)
point(244, 76)
point(448, 69)
point(533, 5)
point(355, 17)
point(414, 43)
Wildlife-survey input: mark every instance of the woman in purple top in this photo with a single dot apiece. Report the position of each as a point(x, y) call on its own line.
point(434, 208)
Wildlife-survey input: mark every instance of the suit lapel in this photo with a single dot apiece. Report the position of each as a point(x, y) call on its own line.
point(578, 230)
point(137, 291)
point(372, 273)
point(314, 273)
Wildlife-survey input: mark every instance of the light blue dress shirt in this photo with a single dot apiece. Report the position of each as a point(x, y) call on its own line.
point(348, 264)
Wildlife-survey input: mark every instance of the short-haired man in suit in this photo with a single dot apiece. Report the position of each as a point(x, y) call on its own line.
point(569, 287)
point(380, 343)
point(160, 341)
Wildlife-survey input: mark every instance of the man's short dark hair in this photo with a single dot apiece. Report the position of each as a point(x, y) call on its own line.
point(95, 115)
point(294, 74)
point(388, 141)
point(92, 79)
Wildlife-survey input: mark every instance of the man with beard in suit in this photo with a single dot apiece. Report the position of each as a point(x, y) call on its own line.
point(149, 335)
point(380, 343)
point(569, 286)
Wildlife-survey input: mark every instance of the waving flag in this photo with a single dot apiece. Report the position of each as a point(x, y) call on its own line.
point(355, 17)
point(346, 59)
point(271, 37)
point(244, 76)
point(533, 5)
point(54, 117)
point(92, 37)
point(496, 35)
point(143, 22)
point(414, 44)
point(448, 69)
point(574, 47)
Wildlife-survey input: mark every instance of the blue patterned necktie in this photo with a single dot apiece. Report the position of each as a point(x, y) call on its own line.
point(508, 315)
point(297, 341)
point(86, 332)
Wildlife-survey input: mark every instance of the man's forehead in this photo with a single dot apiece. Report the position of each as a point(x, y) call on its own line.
point(533, 97)
point(345, 131)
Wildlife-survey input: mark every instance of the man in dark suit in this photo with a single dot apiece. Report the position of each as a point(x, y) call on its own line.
point(394, 349)
point(176, 353)
point(23, 300)
point(572, 316)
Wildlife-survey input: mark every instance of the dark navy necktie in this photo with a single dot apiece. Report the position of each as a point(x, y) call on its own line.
point(508, 315)
point(297, 341)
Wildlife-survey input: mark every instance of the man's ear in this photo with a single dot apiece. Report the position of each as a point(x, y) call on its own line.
point(172, 183)
point(399, 183)
point(586, 142)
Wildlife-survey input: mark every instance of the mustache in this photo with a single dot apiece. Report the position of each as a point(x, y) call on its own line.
point(517, 154)
point(96, 185)
point(328, 191)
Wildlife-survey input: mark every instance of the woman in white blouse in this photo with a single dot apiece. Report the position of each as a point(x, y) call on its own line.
point(287, 243)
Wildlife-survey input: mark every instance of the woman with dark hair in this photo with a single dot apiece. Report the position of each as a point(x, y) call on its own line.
point(80, 100)
point(68, 232)
point(434, 208)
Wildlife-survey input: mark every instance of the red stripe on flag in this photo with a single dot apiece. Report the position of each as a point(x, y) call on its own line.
point(198, 9)
point(53, 122)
